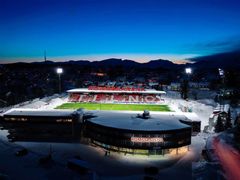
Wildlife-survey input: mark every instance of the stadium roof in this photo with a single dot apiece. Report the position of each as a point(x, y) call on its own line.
point(37, 112)
point(85, 90)
point(129, 121)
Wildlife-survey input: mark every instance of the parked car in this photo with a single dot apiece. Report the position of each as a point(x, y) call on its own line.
point(22, 152)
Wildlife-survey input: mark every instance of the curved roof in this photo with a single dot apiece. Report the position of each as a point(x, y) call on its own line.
point(85, 90)
point(129, 121)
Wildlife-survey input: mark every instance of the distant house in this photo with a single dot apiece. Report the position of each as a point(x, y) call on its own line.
point(153, 84)
point(87, 83)
point(101, 83)
point(174, 86)
point(111, 83)
point(199, 85)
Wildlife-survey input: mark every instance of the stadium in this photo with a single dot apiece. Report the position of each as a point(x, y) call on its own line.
point(118, 127)
point(115, 95)
point(115, 98)
point(123, 120)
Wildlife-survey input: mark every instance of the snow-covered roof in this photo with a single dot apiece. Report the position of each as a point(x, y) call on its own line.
point(128, 120)
point(37, 112)
point(85, 90)
point(158, 121)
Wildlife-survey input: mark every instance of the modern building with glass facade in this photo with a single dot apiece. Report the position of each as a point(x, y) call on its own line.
point(130, 132)
point(127, 132)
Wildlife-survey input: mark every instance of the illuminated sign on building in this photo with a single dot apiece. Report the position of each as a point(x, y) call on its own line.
point(146, 139)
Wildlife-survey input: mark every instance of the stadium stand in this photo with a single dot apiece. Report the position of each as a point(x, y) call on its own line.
point(117, 98)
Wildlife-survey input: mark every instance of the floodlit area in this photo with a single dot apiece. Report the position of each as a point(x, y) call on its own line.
point(113, 165)
point(119, 90)
point(119, 107)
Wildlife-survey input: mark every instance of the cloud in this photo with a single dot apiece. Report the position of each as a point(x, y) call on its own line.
point(218, 46)
point(233, 54)
point(230, 46)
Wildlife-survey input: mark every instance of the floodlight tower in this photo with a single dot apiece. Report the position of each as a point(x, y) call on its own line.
point(185, 83)
point(188, 71)
point(221, 98)
point(59, 72)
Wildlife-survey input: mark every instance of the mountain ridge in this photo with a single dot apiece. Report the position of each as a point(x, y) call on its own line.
point(220, 60)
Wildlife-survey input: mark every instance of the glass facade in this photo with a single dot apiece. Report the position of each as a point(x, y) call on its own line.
point(137, 142)
point(49, 119)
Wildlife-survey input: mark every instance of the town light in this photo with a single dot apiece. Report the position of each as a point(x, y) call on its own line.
point(221, 72)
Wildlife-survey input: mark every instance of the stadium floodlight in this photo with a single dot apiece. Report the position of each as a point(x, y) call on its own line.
point(59, 72)
point(188, 71)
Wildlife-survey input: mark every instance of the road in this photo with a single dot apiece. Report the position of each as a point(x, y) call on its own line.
point(229, 159)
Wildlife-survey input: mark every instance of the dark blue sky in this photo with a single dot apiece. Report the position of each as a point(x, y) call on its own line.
point(134, 29)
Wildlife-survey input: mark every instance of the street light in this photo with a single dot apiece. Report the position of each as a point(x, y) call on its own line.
point(59, 72)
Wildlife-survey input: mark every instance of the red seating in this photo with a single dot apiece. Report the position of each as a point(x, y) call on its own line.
point(110, 98)
point(74, 97)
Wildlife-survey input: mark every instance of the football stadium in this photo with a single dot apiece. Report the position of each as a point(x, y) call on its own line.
point(114, 98)
point(115, 95)
point(123, 120)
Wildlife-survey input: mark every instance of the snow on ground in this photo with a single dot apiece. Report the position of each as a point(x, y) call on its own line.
point(116, 166)
point(111, 167)
point(203, 107)
point(183, 168)
point(49, 102)
point(27, 167)
point(223, 156)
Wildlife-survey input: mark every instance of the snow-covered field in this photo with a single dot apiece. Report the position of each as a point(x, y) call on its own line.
point(49, 102)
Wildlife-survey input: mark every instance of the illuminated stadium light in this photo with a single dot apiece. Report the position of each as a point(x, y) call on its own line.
point(59, 70)
point(188, 71)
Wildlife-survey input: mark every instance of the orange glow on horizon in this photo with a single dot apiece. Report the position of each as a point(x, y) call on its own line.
point(140, 58)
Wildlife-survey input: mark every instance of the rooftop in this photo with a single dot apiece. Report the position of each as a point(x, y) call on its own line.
point(86, 90)
point(129, 121)
point(37, 112)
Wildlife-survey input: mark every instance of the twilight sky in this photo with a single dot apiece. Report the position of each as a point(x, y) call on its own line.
point(130, 29)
